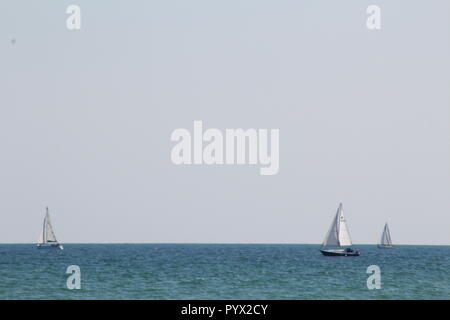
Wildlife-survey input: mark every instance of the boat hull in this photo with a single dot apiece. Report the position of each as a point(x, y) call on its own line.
point(385, 247)
point(49, 246)
point(340, 253)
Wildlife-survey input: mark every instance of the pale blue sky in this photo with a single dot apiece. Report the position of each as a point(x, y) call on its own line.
point(86, 118)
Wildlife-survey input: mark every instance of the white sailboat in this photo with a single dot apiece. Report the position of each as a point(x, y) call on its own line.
point(47, 238)
point(337, 241)
point(386, 242)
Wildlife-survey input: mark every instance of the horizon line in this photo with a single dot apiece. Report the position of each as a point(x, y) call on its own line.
point(236, 243)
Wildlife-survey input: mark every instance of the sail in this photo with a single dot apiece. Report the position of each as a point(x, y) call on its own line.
point(388, 234)
point(41, 237)
point(338, 234)
point(332, 237)
point(386, 237)
point(344, 234)
point(47, 234)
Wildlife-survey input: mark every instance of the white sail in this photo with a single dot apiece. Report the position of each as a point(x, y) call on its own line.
point(338, 234)
point(41, 237)
point(332, 237)
point(47, 235)
point(386, 237)
point(344, 235)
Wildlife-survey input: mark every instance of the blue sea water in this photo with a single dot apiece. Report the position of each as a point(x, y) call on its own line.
point(221, 271)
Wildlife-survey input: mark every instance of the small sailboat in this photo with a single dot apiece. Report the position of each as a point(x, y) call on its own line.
point(386, 242)
point(337, 241)
point(47, 237)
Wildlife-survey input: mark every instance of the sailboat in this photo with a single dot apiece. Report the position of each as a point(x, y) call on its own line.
point(386, 242)
point(337, 241)
point(47, 237)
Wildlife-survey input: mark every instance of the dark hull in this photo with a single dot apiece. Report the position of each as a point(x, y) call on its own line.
point(340, 253)
point(48, 246)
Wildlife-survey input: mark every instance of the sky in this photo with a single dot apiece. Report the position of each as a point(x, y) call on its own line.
point(86, 118)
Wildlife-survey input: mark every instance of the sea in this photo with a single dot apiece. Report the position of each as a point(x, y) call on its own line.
point(222, 271)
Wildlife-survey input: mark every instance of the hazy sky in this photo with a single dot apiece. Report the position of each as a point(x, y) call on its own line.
point(86, 118)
